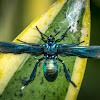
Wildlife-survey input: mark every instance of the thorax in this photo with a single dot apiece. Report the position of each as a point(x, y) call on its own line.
point(50, 49)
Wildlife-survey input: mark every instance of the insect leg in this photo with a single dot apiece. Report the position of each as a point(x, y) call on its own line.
point(21, 41)
point(77, 43)
point(67, 74)
point(32, 76)
point(41, 34)
point(63, 35)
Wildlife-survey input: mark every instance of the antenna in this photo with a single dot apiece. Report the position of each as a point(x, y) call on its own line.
point(40, 32)
point(56, 34)
point(62, 35)
point(60, 30)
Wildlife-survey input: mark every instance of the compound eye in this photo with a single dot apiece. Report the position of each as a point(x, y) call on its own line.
point(50, 35)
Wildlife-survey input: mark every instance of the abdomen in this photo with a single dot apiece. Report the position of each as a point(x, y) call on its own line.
point(50, 69)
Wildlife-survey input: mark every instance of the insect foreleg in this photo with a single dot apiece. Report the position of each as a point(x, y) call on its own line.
point(32, 76)
point(21, 41)
point(63, 35)
point(67, 74)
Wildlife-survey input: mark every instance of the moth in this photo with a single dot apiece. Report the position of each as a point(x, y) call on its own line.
point(51, 50)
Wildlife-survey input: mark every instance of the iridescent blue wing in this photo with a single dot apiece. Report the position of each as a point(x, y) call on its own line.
point(17, 48)
point(81, 51)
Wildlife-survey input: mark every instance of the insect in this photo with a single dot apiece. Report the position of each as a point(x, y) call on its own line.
point(50, 49)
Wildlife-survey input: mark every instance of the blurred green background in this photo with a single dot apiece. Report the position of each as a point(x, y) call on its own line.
point(15, 15)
